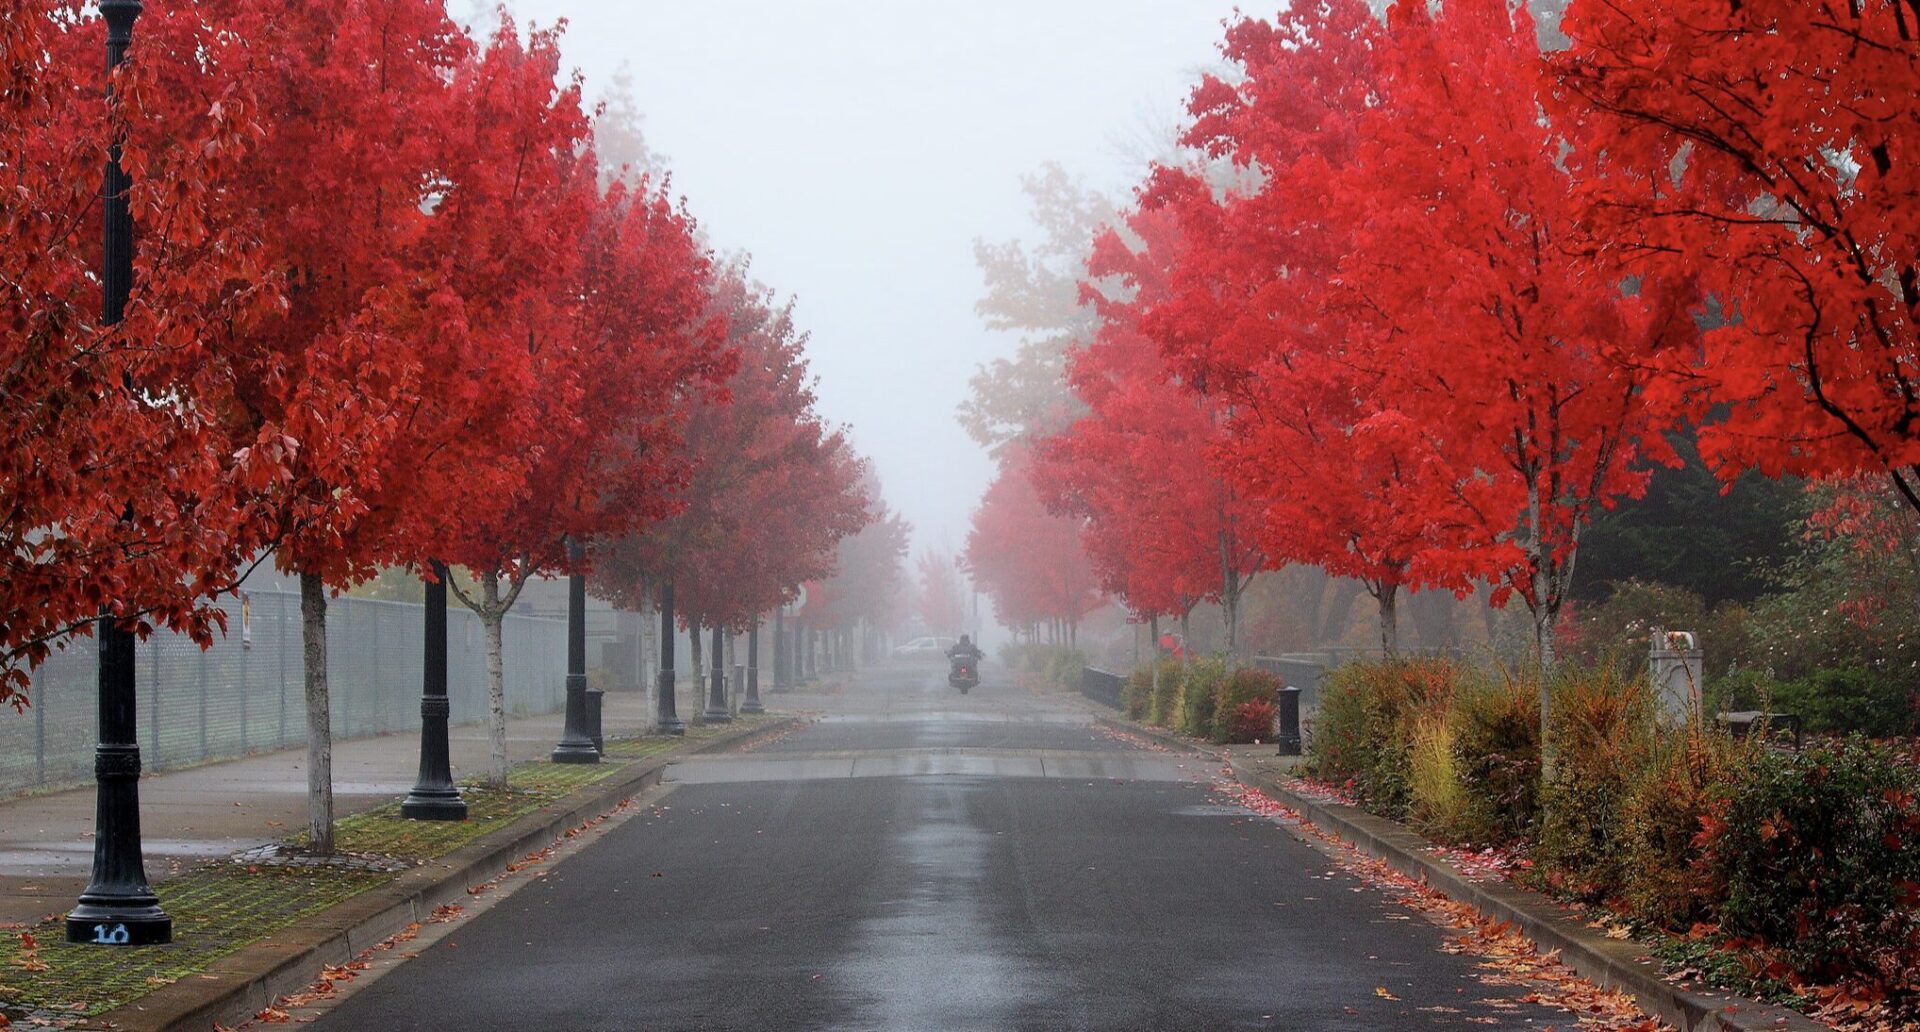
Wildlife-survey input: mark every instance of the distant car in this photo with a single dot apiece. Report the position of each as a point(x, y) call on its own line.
point(930, 647)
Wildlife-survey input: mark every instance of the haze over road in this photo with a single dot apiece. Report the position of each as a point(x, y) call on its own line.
point(922, 860)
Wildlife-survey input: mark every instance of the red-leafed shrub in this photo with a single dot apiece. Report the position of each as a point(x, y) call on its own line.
point(1252, 721)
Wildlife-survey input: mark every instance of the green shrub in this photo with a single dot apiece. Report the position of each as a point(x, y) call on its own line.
point(1364, 734)
point(1243, 685)
point(1850, 699)
point(1497, 740)
point(1136, 696)
point(1602, 734)
point(1821, 854)
point(1061, 668)
point(1669, 878)
point(1165, 709)
point(1199, 693)
point(1437, 798)
point(1742, 690)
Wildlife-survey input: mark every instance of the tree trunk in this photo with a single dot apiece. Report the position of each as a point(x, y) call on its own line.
point(1389, 595)
point(1542, 622)
point(1153, 629)
point(650, 649)
point(734, 687)
point(699, 668)
point(1229, 592)
point(313, 629)
point(1186, 637)
point(493, 616)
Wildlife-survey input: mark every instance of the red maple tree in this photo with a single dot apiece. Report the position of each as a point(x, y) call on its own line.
point(1765, 154)
point(1028, 560)
point(771, 488)
point(1164, 526)
point(114, 501)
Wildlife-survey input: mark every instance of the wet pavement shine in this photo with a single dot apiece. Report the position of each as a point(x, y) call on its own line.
point(921, 860)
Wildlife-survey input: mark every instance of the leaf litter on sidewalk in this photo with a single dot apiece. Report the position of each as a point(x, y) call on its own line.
point(1505, 958)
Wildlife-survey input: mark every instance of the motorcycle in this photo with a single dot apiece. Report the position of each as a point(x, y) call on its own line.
point(963, 673)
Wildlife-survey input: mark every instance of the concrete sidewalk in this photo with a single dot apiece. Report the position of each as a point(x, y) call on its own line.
point(46, 841)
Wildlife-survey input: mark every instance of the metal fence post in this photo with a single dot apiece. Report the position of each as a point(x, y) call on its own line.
point(40, 737)
point(280, 660)
point(153, 699)
point(203, 702)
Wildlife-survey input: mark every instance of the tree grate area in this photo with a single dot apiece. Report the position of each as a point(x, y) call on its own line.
point(229, 904)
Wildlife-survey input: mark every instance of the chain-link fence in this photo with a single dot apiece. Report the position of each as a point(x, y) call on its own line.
point(246, 693)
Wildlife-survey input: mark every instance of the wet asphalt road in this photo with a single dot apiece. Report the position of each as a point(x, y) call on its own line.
point(917, 860)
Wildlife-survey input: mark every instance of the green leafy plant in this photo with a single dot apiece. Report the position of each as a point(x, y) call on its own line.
point(1602, 734)
point(1242, 686)
point(1821, 855)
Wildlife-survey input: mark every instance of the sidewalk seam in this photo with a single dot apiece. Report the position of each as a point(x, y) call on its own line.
point(241, 984)
point(1612, 963)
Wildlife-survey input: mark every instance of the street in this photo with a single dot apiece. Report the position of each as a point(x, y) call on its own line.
point(919, 860)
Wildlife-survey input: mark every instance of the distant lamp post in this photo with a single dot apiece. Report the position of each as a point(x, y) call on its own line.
point(118, 907)
point(667, 721)
point(435, 797)
point(752, 703)
point(717, 711)
point(779, 649)
point(576, 739)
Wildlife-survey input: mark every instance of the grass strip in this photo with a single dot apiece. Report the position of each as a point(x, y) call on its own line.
point(222, 907)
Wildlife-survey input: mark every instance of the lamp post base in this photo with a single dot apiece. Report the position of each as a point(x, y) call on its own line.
point(576, 752)
point(130, 922)
point(426, 804)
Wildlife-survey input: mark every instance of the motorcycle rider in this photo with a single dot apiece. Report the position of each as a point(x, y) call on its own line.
point(966, 648)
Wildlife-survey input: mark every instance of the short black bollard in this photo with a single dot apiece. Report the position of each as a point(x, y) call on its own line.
point(1289, 736)
point(596, 699)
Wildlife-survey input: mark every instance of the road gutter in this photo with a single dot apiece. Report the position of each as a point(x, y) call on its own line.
point(241, 984)
point(1613, 963)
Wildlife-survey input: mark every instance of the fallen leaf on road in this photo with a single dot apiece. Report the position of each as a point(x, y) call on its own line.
point(1381, 991)
point(273, 1016)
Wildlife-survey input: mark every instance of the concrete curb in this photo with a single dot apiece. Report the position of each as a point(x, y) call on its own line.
point(242, 984)
point(1614, 963)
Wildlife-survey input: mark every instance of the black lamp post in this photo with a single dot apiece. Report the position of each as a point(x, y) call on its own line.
point(576, 740)
point(118, 907)
point(752, 702)
point(668, 721)
point(717, 712)
point(435, 797)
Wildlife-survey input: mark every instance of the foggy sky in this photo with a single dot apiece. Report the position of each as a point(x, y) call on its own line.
point(857, 147)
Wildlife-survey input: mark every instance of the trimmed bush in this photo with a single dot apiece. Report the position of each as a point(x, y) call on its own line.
point(1198, 695)
point(1821, 855)
point(1165, 708)
point(1365, 731)
point(1436, 794)
point(1061, 668)
point(1669, 878)
point(1602, 731)
point(1136, 696)
point(1497, 740)
point(1242, 686)
point(1253, 721)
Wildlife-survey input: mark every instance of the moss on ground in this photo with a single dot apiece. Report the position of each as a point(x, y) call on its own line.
point(223, 907)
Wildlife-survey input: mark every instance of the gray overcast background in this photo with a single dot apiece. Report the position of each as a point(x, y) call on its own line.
point(857, 147)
